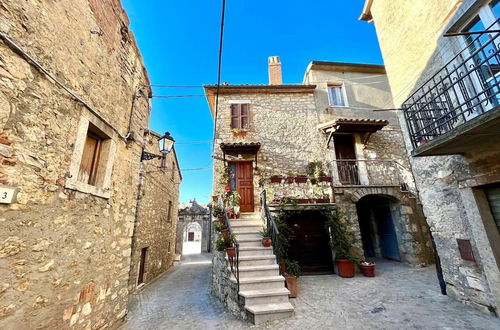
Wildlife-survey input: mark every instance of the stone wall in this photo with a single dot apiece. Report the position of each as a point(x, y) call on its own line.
point(221, 286)
point(414, 49)
point(65, 248)
point(154, 228)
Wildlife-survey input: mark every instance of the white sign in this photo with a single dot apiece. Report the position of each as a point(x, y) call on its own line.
point(8, 194)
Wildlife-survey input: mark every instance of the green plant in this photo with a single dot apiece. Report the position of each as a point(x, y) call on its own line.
point(282, 241)
point(234, 198)
point(220, 227)
point(217, 211)
point(265, 232)
point(224, 242)
point(315, 170)
point(292, 268)
point(341, 239)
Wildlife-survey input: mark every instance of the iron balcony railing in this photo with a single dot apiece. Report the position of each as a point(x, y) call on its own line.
point(367, 172)
point(463, 89)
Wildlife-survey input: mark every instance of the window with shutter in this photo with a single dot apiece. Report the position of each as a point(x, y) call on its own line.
point(90, 159)
point(240, 116)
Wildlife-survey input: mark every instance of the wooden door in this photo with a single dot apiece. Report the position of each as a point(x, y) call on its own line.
point(142, 266)
point(387, 233)
point(244, 184)
point(190, 237)
point(345, 155)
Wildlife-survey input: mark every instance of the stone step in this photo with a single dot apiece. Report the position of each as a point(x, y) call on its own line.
point(247, 229)
point(248, 235)
point(249, 215)
point(260, 283)
point(246, 222)
point(265, 296)
point(255, 250)
point(256, 260)
point(261, 313)
point(250, 242)
point(258, 271)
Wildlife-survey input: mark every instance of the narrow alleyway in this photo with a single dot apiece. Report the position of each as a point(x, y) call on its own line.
point(399, 298)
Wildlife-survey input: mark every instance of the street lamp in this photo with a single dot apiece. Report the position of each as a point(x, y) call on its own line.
point(164, 146)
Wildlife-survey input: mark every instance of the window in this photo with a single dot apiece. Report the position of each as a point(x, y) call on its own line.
point(240, 116)
point(169, 216)
point(92, 160)
point(168, 250)
point(336, 95)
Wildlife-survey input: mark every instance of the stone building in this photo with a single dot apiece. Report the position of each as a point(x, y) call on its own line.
point(194, 225)
point(442, 61)
point(74, 106)
point(153, 246)
point(269, 135)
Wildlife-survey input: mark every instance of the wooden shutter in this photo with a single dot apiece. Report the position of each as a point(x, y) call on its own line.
point(244, 116)
point(235, 115)
point(90, 159)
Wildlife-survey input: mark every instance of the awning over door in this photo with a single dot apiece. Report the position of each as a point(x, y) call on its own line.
point(345, 126)
point(240, 148)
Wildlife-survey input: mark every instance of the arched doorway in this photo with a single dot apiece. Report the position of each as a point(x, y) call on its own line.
point(376, 216)
point(192, 238)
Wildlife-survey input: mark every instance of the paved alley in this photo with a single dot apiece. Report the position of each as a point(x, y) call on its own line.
point(400, 297)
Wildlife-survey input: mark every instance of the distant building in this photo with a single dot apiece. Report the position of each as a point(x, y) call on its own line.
point(193, 226)
point(443, 59)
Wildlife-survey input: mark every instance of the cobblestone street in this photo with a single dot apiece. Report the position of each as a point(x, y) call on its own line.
point(400, 297)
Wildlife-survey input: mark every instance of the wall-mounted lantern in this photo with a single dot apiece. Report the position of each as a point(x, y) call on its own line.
point(165, 144)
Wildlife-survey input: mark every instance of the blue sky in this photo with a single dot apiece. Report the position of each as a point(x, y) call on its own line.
point(179, 41)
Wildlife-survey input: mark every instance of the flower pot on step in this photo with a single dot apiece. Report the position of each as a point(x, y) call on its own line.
point(368, 270)
point(231, 252)
point(222, 219)
point(224, 232)
point(291, 284)
point(345, 268)
point(266, 241)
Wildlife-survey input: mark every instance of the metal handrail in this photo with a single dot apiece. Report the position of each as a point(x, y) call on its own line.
point(378, 172)
point(464, 88)
point(234, 262)
point(270, 223)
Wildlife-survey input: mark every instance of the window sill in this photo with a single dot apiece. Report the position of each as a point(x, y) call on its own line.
point(88, 189)
point(337, 106)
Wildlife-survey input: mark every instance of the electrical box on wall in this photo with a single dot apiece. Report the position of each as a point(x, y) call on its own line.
point(8, 195)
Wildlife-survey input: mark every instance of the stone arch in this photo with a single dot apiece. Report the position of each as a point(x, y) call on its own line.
point(393, 192)
point(194, 227)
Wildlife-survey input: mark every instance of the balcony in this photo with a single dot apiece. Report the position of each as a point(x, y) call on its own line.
point(373, 172)
point(457, 110)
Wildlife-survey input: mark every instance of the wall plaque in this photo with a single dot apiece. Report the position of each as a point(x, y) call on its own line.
point(8, 194)
point(465, 249)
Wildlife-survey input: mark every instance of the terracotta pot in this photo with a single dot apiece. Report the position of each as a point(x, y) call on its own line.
point(231, 252)
point(243, 133)
point(282, 267)
point(222, 219)
point(300, 179)
point(368, 270)
point(303, 201)
point(326, 179)
point(275, 179)
point(291, 284)
point(266, 241)
point(345, 268)
point(224, 232)
point(290, 179)
point(321, 200)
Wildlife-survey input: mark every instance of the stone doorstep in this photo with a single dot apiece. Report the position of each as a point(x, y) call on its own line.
point(264, 293)
point(261, 313)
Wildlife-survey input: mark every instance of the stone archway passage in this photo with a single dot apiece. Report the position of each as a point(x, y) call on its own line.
point(376, 223)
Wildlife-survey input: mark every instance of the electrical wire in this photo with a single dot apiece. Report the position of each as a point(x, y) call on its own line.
point(219, 69)
point(176, 96)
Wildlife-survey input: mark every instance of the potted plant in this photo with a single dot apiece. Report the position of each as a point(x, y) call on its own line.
point(234, 202)
point(325, 179)
point(239, 132)
point(292, 272)
point(315, 170)
point(367, 268)
point(275, 179)
point(341, 241)
point(218, 213)
point(226, 243)
point(289, 177)
point(266, 237)
point(301, 179)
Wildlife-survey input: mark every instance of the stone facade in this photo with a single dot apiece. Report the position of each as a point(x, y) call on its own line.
point(65, 245)
point(156, 220)
point(451, 188)
point(193, 218)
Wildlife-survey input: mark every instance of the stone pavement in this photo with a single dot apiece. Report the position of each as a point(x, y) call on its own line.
point(400, 297)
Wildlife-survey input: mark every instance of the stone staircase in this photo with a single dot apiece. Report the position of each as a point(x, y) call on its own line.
point(261, 286)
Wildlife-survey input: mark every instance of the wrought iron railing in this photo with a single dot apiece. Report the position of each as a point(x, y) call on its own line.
point(234, 262)
point(366, 172)
point(270, 224)
point(463, 89)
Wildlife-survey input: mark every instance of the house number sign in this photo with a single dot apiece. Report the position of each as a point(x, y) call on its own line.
point(8, 194)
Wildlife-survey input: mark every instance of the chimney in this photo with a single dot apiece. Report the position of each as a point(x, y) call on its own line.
point(274, 70)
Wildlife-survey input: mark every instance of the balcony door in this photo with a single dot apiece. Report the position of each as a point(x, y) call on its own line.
point(345, 154)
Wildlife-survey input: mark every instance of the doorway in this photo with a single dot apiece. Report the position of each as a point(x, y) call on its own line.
point(345, 154)
point(191, 238)
point(142, 266)
point(242, 181)
point(310, 243)
point(376, 223)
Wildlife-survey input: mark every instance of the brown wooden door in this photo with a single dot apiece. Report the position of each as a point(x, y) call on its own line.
point(348, 169)
point(190, 236)
point(244, 185)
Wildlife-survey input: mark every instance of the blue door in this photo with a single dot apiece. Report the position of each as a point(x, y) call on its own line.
point(387, 234)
